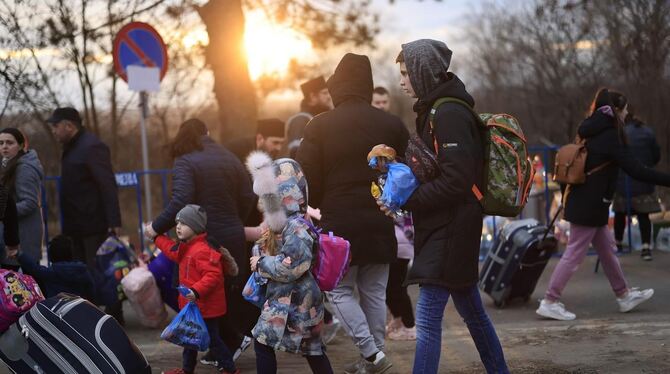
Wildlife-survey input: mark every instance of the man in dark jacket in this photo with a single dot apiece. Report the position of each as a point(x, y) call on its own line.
point(447, 215)
point(316, 100)
point(333, 156)
point(88, 195)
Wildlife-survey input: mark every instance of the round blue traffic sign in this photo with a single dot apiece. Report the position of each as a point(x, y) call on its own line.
point(137, 43)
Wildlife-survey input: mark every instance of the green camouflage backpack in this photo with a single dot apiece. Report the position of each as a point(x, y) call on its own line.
point(508, 171)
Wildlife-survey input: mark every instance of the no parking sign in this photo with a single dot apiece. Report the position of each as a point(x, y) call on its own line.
point(139, 45)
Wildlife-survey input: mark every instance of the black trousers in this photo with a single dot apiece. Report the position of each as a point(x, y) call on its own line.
point(397, 299)
point(642, 219)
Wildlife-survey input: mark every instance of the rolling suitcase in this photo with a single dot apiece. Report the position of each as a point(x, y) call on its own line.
point(515, 263)
point(67, 334)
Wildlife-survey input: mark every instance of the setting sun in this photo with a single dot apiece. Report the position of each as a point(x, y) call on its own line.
point(270, 47)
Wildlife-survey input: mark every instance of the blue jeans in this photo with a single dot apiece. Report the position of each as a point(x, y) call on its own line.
point(217, 349)
point(429, 312)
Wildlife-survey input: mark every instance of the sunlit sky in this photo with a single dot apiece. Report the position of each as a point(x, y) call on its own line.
point(270, 47)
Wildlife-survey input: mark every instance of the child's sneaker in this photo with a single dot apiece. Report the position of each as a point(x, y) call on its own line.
point(223, 371)
point(646, 254)
point(403, 333)
point(554, 310)
point(177, 371)
point(246, 342)
point(329, 330)
point(208, 359)
point(633, 298)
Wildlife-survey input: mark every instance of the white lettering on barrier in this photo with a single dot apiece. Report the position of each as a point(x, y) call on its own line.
point(126, 179)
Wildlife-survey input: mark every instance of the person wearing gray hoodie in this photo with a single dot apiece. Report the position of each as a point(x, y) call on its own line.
point(447, 215)
point(22, 175)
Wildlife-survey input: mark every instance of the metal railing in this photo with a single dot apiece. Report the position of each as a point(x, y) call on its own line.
point(133, 179)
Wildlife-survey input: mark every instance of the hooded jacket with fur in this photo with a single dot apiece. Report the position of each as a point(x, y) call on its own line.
point(291, 318)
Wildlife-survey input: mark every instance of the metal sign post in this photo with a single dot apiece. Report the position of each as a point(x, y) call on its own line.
point(140, 58)
point(144, 105)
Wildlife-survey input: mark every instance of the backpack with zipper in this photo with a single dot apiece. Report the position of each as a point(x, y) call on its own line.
point(508, 171)
point(332, 259)
point(570, 163)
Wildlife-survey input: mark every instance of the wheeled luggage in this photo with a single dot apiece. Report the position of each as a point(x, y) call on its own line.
point(516, 261)
point(67, 334)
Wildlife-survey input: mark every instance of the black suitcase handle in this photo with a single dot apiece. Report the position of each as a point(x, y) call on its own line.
point(553, 221)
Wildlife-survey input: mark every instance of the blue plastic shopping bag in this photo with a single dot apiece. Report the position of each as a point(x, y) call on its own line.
point(398, 186)
point(188, 328)
point(255, 290)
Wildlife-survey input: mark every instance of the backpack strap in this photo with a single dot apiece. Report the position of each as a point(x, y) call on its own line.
point(311, 226)
point(598, 168)
point(475, 190)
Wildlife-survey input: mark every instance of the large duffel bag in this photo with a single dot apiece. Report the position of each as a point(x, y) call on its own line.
point(516, 261)
point(67, 334)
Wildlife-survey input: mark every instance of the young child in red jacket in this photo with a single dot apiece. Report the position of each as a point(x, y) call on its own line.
point(200, 269)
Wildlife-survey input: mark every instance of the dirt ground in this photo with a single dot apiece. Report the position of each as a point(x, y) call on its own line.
point(600, 340)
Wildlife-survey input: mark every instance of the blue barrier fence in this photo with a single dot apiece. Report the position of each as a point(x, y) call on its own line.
point(133, 179)
point(124, 180)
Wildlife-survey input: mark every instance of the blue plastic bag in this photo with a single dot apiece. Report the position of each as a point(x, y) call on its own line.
point(399, 186)
point(255, 290)
point(188, 328)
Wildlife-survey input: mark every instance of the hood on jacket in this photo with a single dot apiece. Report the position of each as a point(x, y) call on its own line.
point(352, 79)
point(595, 124)
point(281, 186)
point(30, 158)
point(453, 87)
point(427, 62)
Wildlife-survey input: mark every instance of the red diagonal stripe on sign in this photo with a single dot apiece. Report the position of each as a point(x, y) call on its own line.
point(137, 50)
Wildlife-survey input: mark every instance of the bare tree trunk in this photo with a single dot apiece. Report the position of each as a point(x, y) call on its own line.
point(234, 92)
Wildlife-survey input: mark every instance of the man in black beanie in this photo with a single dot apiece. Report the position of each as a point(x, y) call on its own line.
point(316, 100)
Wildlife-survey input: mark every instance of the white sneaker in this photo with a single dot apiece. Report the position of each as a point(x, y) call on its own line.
point(246, 342)
point(633, 298)
point(329, 331)
point(554, 311)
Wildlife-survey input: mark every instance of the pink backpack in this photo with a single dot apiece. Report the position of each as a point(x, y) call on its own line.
point(332, 259)
point(19, 293)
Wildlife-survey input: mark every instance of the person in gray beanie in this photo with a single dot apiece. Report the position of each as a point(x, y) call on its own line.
point(201, 270)
point(194, 217)
point(447, 214)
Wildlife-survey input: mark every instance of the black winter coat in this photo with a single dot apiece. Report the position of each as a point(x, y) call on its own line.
point(447, 216)
point(333, 155)
point(588, 204)
point(88, 195)
point(216, 180)
point(643, 145)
